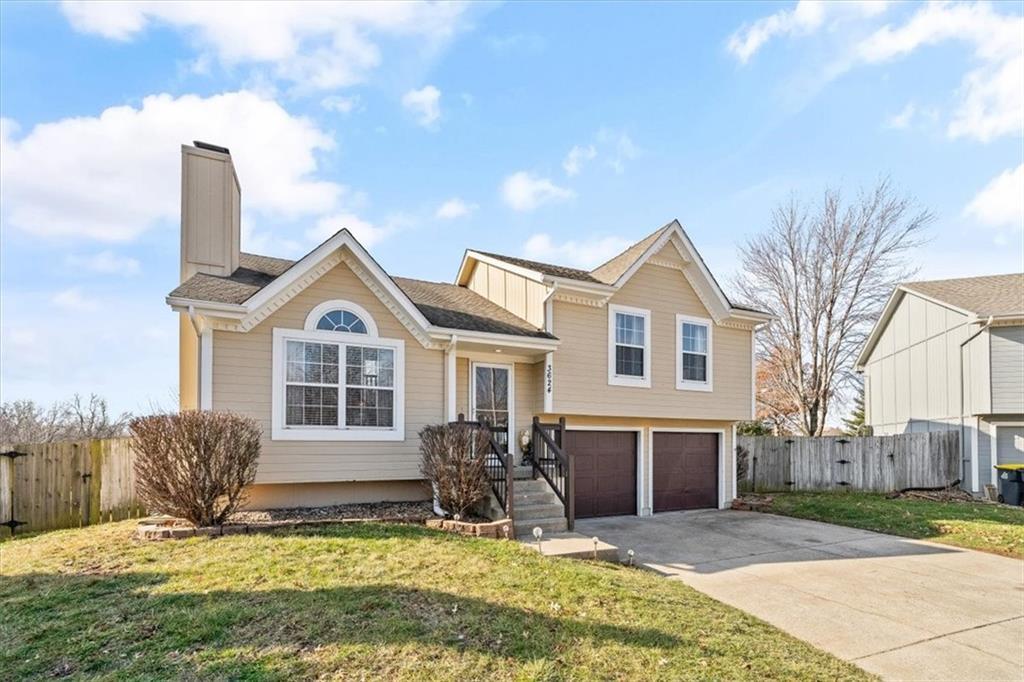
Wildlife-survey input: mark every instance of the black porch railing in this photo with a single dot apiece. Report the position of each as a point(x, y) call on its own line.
point(555, 465)
point(498, 462)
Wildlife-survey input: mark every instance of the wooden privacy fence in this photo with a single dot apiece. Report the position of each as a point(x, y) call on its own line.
point(876, 463)
point(65, 485)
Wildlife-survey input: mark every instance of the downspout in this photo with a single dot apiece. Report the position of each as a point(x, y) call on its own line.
point(193, 318)
point(963, 460)
point(450, 348)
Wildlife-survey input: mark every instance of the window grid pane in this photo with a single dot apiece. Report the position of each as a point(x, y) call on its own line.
point(629, 329)
point(629, 361)
point(370, 380)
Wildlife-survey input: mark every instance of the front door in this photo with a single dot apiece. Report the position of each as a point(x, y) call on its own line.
point(492, 399)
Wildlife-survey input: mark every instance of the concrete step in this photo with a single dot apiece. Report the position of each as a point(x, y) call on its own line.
point(546, 497)
point(522, 473)
point(572, 546)
point(530, 486)
point(556, 524)
point(528, 512)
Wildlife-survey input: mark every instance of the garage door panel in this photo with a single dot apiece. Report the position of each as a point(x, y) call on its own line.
point(605, 482)
point(685, 470)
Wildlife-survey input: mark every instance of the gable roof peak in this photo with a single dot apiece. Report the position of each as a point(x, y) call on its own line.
point(611, 270)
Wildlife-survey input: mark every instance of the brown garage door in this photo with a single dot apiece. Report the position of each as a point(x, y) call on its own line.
point(605, 472)
point(685, 471)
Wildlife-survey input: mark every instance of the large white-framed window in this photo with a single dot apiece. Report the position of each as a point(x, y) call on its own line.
point(693, 353)
point(332, 384)
point(629, 346)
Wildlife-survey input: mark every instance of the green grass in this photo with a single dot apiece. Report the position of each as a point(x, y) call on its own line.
point(364, 601)
point(998, 529)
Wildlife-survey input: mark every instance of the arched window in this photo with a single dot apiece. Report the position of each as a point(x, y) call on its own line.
point(342, 321)
point(341, 316)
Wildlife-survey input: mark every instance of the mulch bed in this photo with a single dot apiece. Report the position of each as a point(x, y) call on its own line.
point(410, 512)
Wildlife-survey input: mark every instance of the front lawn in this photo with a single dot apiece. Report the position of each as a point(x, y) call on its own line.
point(998, 529)
point(364, 601)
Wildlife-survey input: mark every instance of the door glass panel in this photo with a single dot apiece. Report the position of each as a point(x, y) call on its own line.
point(492, 400)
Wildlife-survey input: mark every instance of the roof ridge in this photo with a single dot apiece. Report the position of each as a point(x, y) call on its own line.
point(626, 250)
point(528, 260)
point(961, 279)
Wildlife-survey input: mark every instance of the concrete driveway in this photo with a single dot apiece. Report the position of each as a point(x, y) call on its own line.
point(902, 609)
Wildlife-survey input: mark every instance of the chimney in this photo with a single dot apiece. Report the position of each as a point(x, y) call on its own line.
point(210, 211)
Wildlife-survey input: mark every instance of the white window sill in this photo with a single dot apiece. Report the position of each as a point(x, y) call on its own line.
point(357, 435)
point(635, 382)
point(694, 386)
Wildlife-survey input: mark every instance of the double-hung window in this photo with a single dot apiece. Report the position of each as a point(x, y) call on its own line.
point(333, 380)
point(693, 353)
point(629, 346)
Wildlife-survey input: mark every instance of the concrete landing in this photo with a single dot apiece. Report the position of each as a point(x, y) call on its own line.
point(573, 546)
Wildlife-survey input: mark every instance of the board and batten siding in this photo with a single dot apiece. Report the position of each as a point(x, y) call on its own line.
point(581, 362)
point(242, 365)
point(912, 377)
point(1007, 362)
point(517, 294)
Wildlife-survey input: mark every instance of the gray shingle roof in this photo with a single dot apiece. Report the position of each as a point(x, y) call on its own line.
point(546, 268)
point(445, 305)
point(455, 307)
point(610, 271)
point(983, 296)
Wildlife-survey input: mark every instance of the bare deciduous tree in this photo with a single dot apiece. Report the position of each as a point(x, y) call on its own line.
point(195, 465)
point(826, 272)
point(24, 421)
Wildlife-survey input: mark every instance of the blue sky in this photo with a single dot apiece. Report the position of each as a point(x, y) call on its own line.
point(560, 132)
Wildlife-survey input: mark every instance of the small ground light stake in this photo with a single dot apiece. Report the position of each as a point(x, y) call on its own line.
point(631, 554)
point(595, 546)
point(537, 533)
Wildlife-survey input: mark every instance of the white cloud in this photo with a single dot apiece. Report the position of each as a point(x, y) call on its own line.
point(113, 176)
point(73, 299)
point(524, 191)
point(454, 208)
point(340, 104)
point(316, 45)
point(425, 104)
point(1000, 203)
point(106, 263)
point(991, 98)
point(901, 121)
point(580, 254)
point(805, 18)
point(364, 231)
point(576, 157)
point(622, 148)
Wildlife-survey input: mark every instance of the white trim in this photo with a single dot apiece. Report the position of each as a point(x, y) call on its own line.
point(643, 508)
point(513, 437)
point(753, 375)
point(338, 304)
point(613, 378)
point(497, 355)
point(281, 432)
point(682, 384)
point(993, 454)
point(732, 466)
point(449, 381)
point(722, 503)
point(975, 456)
point(206, 369)
point(470, 254)
point(507, 340)
point(549, 357)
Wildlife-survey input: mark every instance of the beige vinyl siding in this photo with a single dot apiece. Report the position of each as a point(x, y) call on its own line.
point(519, 295)
point(188, 364)
point(581, 362)
point(289, 495)
point(242, 365)
point(912, 377)
point(1007, 363)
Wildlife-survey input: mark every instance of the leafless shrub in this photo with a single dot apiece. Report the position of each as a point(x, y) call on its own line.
point(195, 465)
point(454, 462)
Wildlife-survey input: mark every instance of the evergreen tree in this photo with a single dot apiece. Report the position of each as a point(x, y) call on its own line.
point(854, 424)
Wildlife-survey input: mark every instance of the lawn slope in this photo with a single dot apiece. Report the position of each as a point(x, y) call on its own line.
point(998, 529)
point(365, 601)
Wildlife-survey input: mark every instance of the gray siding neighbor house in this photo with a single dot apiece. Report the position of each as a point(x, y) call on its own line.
point(949, 354)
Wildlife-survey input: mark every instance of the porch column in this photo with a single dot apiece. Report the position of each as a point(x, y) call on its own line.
point(449, 381)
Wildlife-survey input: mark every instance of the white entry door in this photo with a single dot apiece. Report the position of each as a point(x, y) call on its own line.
point(492, 396)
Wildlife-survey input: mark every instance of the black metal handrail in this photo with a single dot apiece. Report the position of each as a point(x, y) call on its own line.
point(554, 464)
point(497, 462)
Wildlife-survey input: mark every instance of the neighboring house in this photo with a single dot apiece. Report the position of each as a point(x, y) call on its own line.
point(343, 364)
point(949, 354)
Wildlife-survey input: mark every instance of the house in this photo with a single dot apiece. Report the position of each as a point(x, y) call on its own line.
point(949, 354)
point(645, 359)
